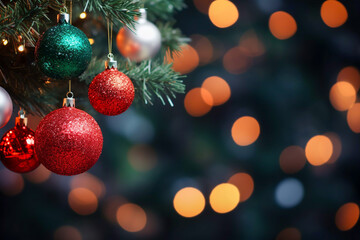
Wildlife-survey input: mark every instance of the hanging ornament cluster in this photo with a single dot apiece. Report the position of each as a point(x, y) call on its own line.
point(6, 107)
point(142, 43)
point(17, 149)
point(63, 51)
point(68, 141)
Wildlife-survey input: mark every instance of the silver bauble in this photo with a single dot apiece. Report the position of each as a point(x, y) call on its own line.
point(141, 44)
point(6, 107)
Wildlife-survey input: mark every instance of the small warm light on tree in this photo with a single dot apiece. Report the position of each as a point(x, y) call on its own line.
point(91, 41)
point(5, 42)
point(83, 15)
point(21, 48)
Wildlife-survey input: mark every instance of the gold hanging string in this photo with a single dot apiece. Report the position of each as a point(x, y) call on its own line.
point(71, 11)
point(110, 36)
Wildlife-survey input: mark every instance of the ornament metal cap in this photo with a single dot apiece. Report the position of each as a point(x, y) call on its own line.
point(111, 63)
point(63, 17)
point(21, 120)
point(143, 15)
point(69, 101)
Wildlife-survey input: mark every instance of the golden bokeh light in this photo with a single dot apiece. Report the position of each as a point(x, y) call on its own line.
point(218, 88)
point(337, 146)
point(142, 157)
point(350, 74)
point(292, 159)
point(83, 15)
point(90, 182)
point(333, 13)
point(67, 233)
point(83, 201)
point(245, 131)
point(203, 47)
point(282, 25)
point(198, 102)
point(252, 45)
point(244, 183)
point(21, 48)
point(91, 41)
point(289, 234)
point(12, 183)
point(347, 216)
point(185, 61)
point(224, 198)
point(236, 60)
point(39, 175)
point(318, 150)
point(189, 202)
point(353, 118)
point(223, 13)
point(203, 5)
point(5, 42)
point(131, 217)
point(342, 95)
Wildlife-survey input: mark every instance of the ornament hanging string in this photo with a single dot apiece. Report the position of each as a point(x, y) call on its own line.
point(110, 36)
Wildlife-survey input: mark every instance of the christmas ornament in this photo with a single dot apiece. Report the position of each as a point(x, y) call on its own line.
point(6, 107)
point(142, 43)
point(111, 92)
point(17, 150)
point(68, 141)
point(63, 51)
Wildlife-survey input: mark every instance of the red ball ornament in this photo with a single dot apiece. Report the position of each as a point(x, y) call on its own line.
point(111, 92)
point(68, 141)
point(17, 150)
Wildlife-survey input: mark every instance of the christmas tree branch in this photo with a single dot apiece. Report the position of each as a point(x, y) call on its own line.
point(163, 10)
point(172, 38)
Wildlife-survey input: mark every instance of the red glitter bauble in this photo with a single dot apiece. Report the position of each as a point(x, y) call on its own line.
point(111, 92)
point(17, 150)
point(68, 141)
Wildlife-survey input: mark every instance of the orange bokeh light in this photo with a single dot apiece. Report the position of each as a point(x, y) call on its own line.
point(292, 159)
point(353, 118)
point(198, 102)
point(39, 175)
point(289, 234)
point(224, 198)
point(185, 61)
point(131, 217)
point(236, 60)
point(202, 5)
point(282, 25)
point(318, 150)
point(142, 157)
point(342, 96)
point(333, 13)
point(189, 202)
point(110, 207)
point(83, 201)
point(67, 233)
point(347, 216)
point(203, 47)
point(223, 13)
point(245, 131)
point(90, 182)
point(337, 146)
point(244, 183)
point(350, 74)
point(252, 44)
point(218, 88)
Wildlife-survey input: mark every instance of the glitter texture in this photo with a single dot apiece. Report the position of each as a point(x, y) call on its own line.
point(68, 141)
point(111, 92)
point(63, 51)
point(17, 150)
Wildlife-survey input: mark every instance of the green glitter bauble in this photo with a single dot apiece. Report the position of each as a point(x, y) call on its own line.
point(63, 51)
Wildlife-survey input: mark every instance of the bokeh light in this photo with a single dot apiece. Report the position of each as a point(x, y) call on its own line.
point(142, 157)
point(333, 13)
point(282, 25)
point(91, 41)
point(5, 42)
point(337, 146)
point(82, 15)
point(245, 131)
point(11, 183)
point(67, 233)
point(353, 118)
point(21, 48)
point(203, 47)
point(292, 159)
point(131, 217)
point(347, 216)
point(350, 74)
point(236, 60)
point(318, 150)
point(202, 5)
point(90, 182)
point(198, 102)
point(244, 183)
point(110, 207)
point(223, 13)
point(289, 234)
point(184, 61)
point(289, 193)
point(218, 88)
point(342, 95)
point(189, 202)
point(83, 201)
point(252, 45)
point(224, 198)
point(39, 175)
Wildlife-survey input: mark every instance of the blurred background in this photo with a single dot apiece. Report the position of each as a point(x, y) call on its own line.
point(263, 145)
